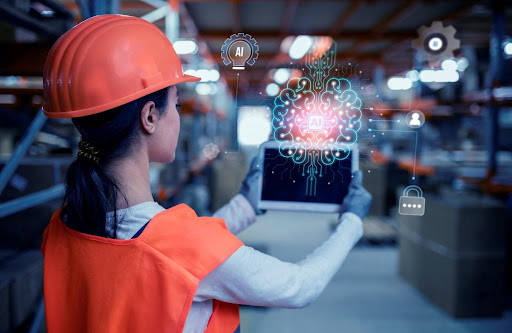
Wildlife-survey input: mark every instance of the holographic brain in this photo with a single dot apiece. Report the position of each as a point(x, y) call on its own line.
point(316, 118)
point(325, 123)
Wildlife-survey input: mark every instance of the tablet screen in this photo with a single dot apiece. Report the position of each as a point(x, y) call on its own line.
point(283, 180)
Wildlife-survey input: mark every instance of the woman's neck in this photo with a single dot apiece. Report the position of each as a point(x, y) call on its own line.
point(132, 175)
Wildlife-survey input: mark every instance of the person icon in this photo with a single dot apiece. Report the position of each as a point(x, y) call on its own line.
point(415, 121)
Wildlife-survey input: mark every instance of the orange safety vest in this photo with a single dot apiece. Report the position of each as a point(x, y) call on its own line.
point(144, 284)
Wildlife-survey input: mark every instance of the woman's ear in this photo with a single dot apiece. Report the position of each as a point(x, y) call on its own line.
point(149, 117)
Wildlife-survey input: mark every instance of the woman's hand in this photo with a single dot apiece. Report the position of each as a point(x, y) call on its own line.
point(358, 199)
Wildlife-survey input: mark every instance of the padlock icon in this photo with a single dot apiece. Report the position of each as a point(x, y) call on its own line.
point(412, 205)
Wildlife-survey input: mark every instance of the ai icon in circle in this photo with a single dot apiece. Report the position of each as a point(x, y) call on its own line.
point(415, 119)
point(240, 49)
point(410, 205)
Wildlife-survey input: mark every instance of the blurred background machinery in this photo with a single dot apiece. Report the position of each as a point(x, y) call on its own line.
point(449, 59)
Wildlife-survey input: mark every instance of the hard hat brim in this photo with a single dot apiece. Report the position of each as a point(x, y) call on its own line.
point(121, 101)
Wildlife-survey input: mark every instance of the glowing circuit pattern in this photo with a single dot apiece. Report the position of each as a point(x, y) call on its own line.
point(316, 118)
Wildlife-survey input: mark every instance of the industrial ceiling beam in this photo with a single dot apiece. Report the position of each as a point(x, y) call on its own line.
point(453, 15)
point(337, 32)
point(347, 35)
point(191, 28)
point(57, 7)
point(135, 5)
point(291, 8)
point(384, 25)
point(344, 17)
point(402, 11)
point(289, 14)
point(369, 1)
point(457, 13)
point(122, 6)
point(52, 28)
point(157, 14)
point(84, 9)
point(235, 15)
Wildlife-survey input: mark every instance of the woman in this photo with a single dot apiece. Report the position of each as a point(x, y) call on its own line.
point(116, 261)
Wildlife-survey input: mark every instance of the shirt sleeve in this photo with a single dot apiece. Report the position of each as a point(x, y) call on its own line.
point(254, 278)
point(237, 213)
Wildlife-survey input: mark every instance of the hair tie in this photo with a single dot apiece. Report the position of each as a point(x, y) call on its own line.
point(88, 151)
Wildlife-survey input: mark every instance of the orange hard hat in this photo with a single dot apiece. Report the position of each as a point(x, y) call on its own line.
point(107, 61)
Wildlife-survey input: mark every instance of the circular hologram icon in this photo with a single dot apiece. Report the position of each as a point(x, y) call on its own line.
point(435, 43)
point(415, 119)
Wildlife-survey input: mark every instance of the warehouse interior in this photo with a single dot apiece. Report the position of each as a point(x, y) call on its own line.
point(448, 269)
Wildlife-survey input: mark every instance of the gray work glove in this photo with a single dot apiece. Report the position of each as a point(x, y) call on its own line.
point(250, 185)
point(358, 199)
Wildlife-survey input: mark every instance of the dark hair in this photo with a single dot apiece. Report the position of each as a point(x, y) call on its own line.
point(91, 190)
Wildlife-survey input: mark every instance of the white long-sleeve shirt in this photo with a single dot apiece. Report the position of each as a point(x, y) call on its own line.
point(252, 277)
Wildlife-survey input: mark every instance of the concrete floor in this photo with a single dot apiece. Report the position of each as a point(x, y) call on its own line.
point(366, 295)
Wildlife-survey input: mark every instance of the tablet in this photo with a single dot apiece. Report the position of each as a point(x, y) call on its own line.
point(284, 184)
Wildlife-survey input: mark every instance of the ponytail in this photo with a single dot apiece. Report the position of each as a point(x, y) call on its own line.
point(90, 193)
point(91, 189)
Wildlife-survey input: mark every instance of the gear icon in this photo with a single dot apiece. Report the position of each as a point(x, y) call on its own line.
point(236, 44)
point(437, 42)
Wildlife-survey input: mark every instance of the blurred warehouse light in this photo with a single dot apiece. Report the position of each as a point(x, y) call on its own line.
point(321, 44)
point(286, 43)
point(399, 83)
point(281, 75)
point(300, 46)
point(190, 72)
point(206, 75)
point(508, 48)
point(254, 125)
point(413, 75)
point(7, 99)
point(462, 64)
point(449, 65)
point(22, 81)
point(214, 75)
point(185, 46)
point(43, 10)
point(296, 73)
point(272, 89)
point(431, 75)
point(206, 88)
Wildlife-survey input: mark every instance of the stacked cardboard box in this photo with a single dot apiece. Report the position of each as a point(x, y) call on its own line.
point(455, 254)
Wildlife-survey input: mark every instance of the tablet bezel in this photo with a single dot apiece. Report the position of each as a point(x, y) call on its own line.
point(314, 207)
